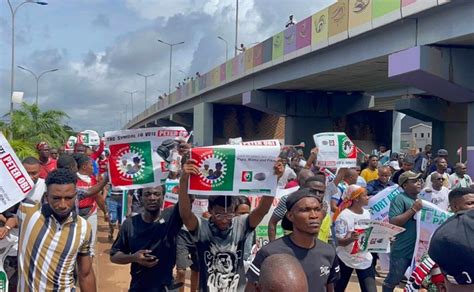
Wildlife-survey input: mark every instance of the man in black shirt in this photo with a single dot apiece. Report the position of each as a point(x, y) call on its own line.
point(148, 241)
point(318, 259)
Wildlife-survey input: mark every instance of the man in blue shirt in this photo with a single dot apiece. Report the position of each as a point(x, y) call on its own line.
point(381, 183)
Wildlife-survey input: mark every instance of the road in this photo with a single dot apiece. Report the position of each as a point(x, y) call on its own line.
point(116, 278)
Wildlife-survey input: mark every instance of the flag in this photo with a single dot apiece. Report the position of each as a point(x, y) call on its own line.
point(134, 164)
point(459, 152)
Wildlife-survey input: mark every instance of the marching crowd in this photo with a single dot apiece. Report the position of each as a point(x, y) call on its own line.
point(56, 226)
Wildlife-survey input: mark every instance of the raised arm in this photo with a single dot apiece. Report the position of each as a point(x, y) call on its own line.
point(96, 154)
point(256, 216)
point(189, 219)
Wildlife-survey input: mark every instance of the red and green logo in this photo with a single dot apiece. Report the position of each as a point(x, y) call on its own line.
point(247, 176)
point(217, 169)
point(347, 149)
point(131, 164)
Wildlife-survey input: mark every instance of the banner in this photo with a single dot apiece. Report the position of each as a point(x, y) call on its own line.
point(171, 193)
point(15, 183)
point(142, 157)
point(427, 221)
point(376, 237)
point(236, 169)
point(335, 150)
point(88, 138)
point(379, 205)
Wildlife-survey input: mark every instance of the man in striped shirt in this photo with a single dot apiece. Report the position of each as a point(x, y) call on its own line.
point(53, 239)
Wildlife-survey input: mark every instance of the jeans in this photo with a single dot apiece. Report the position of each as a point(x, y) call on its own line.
point(114, 208)
point(366, 278)
point(398, 267)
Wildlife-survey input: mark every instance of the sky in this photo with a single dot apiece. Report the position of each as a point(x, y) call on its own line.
point(99, 46)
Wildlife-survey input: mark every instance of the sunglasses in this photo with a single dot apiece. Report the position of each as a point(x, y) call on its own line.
point(228, 216)
point(441, 178)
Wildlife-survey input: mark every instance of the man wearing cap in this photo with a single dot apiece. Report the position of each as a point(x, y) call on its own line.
point(442, 153)
point(407, 165)
point(441, 168)
point(318, 259)
point(375, 186)
point(401, 213)
point(47, 163)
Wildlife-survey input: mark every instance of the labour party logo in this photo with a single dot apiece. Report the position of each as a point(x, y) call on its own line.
point(247, 176)
point(346, 147)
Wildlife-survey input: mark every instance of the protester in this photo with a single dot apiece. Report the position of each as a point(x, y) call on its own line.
point(422, 160)
point(360, 180)
point(147, 241)
point(349, 225)
point(442, 153)
point(407, 165)
point(219, 240)
point(186, 257)
point(47, 163)
point(437, 193)
point(114, 202)
point(371, 172)
point(401, 213)
point(460, 179)
point(383, 181)
point(68, 161)
point(344, 178)
point(318, 259)
point(275, 279)
point(46, 260)
point(441, 168)
point(394, 166)
point(290, 21)
point(54, 153)
point(452, 248)
point(460, 200)
point(284, 172)
point(33, 168)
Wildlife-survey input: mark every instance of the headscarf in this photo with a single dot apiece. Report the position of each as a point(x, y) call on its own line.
point(352, 193)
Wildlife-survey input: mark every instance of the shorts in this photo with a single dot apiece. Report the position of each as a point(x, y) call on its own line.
point(114, 208)
point(186, 253)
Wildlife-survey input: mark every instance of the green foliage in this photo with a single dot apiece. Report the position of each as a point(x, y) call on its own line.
point(30, 125)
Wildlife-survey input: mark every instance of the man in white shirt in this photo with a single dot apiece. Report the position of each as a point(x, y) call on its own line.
point(441, 168)
point(437, 193)
point(460, 179)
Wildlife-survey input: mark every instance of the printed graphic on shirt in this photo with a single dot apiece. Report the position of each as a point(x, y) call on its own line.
point(222, 274)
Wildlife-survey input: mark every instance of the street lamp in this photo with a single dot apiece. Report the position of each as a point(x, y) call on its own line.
point(171, 59)
point(226, 47)
point(13, 11)
point(146, 83)
point(37, 77)
point(131, 98)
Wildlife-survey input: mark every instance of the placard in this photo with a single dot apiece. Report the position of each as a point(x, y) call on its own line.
point(335, 150)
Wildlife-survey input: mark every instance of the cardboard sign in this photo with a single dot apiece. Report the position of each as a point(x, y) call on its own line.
point(379, 205)
point(15, 183)
point(335, 150)
point(237, 170)
point(376, 237)
point(142, 157)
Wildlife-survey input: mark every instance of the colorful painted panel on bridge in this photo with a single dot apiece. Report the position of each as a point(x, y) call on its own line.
point(248, 59)
point(215, 76)
point(195, 85)
point(290, 39)
point(303, 33)
point(385, 11)
point(189, 88)
point(267, 50)
point(338, 21)
point(410, 7)
point(258, 55)
point(278, 41)
point(238, 65)
point(223, 72)
point(360, 16)
point(202, 82)
point(228, 69)
point(319, 29)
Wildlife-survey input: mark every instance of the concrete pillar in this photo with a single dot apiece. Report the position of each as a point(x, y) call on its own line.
point(470, 139)
point(437, 139)
point(302, 129)
point(203, 120)
point(396, 130)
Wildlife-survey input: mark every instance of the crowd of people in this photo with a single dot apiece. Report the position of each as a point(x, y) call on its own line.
point(56, 226)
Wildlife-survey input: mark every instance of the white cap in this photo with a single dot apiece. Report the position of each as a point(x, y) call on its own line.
point(394, 164)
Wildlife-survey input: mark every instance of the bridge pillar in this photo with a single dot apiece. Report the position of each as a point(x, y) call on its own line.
point(302, 129)
point(203, 128)
point(470, 139)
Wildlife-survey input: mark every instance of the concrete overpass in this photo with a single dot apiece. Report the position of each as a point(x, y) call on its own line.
point(356, 71)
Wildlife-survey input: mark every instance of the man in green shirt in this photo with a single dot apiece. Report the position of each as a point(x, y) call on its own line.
point(402, 211)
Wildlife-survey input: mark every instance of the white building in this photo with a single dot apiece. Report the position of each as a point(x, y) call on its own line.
point(419, 135)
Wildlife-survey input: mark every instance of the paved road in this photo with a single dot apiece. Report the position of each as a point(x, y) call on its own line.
point(116, 278)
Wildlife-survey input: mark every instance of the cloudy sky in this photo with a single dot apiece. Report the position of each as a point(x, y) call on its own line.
point(99, 46)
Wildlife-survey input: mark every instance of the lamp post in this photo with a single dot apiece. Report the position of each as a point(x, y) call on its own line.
point(146, 83)
point(13, 11)
point(171, 59)
point(236, 25)
point(131, 98)
point(226, 47)
point(37, 77)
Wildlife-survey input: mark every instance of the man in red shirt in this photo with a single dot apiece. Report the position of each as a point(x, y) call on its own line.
point(47, 163)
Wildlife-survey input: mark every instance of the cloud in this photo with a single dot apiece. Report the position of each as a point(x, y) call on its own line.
point(101, 20)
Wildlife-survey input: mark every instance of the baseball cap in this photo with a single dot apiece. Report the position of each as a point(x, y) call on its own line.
point(406, 176)
point(442, 152)
point(394, 164)
point(292, 199)
point(452, 248)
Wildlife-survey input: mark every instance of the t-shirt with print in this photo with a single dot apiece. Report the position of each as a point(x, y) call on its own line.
point(220, 255)
point(319, 263)
point(404, 244)
point(346, 222)
point(439, 198)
